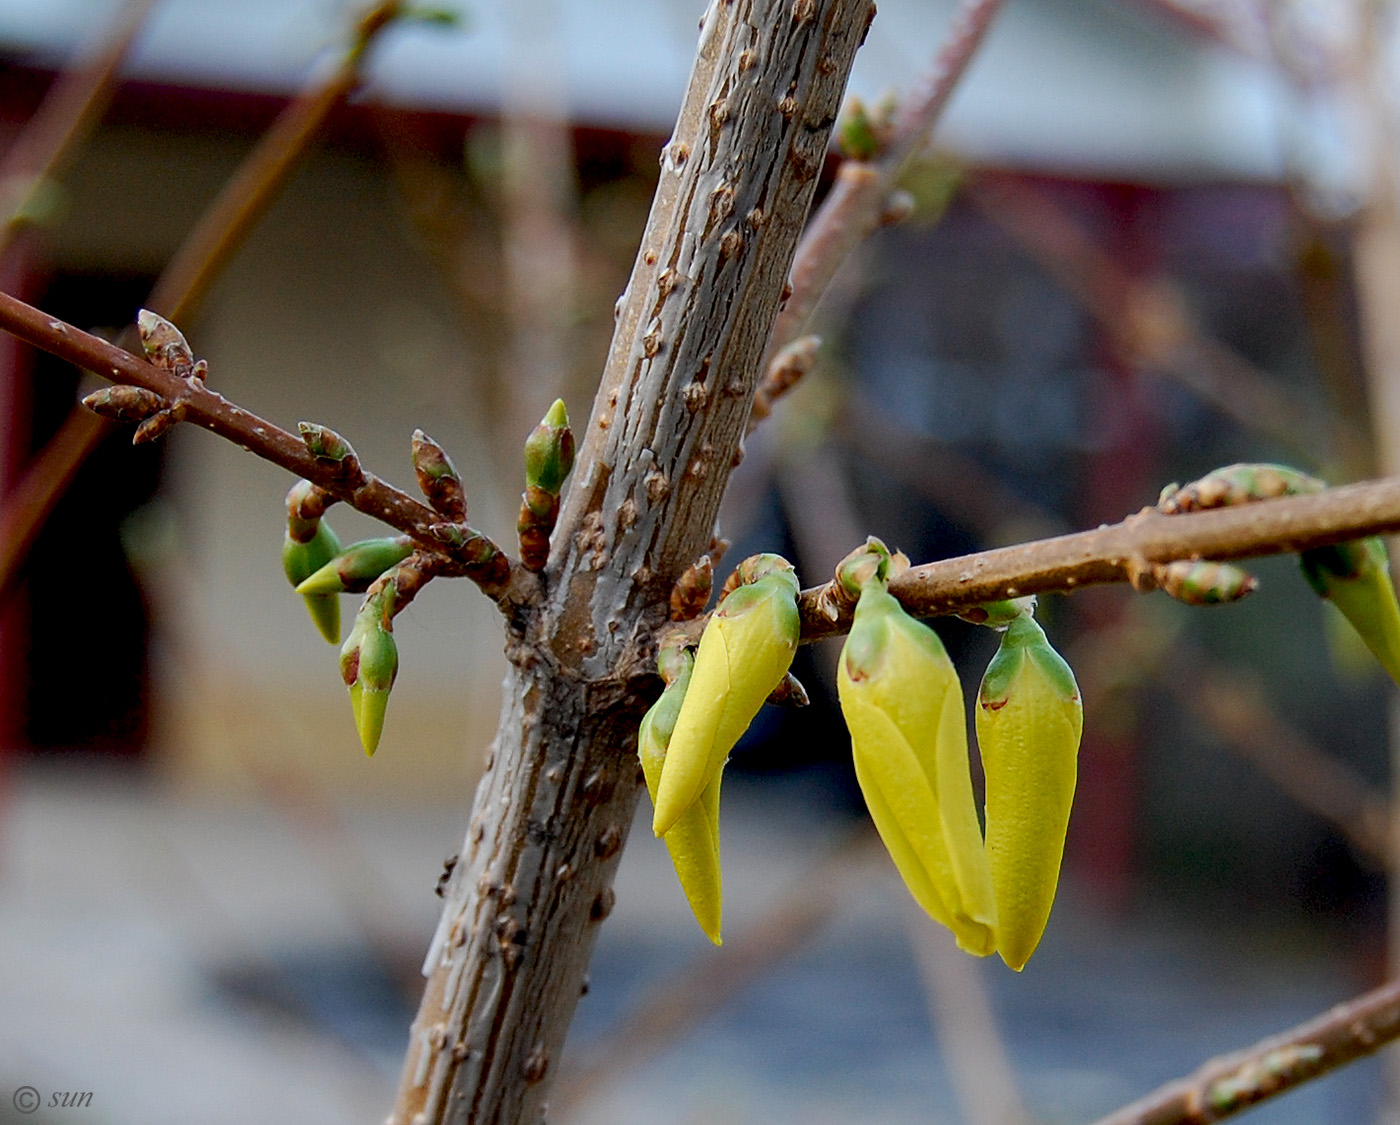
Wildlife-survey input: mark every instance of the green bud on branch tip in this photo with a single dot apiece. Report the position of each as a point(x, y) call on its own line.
point(549, 451)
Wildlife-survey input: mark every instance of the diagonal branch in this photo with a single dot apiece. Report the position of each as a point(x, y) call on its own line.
point(1231, 1083)
point(188, 276)
point(366, 493)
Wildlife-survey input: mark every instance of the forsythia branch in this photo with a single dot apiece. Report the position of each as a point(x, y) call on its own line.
point(212, 411)
point(1231, 1083)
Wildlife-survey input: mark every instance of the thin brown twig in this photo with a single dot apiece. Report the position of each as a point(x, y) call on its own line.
point(186, 279)
point(1122, 552)
point(1231, 1083)
point(367, 493)
point(852, 209)
point(63, 120)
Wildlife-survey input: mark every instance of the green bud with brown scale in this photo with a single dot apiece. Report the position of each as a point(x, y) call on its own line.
point(332, 450)
point(1202, 582)
point(303, 558)
point(1355, 577)
point(354, 570)
point(1237, 484)
point(438, 478)
point(549, 457)
point(369, 663)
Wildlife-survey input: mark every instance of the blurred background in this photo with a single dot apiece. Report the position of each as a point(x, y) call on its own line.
point(1151, 239)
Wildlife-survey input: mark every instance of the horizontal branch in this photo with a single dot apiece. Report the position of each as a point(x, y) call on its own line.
point(1231, 1083)
point(206, 408)
point(1126, 552)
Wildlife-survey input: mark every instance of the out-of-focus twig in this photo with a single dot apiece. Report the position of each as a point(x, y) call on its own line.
point(186, 279)
point(853, 208)
point(1150, 323)
point(1231, 1083)
point(63, 121)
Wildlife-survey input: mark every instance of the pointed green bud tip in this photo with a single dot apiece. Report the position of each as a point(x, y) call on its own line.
point(868, 563)
point(369, 664)
point(356, 568)
point(549, 451)
point(756, 568)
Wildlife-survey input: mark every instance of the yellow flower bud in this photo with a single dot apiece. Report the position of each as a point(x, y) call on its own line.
point(744, 653)
point(903, 705)
point(693, 840)
point(1029, 722)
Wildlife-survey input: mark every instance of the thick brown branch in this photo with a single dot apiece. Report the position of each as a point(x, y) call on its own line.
point(213, 412)
point(1231, 1083)
point(1124, 551)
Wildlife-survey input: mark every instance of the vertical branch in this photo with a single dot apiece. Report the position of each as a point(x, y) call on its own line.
point(534, 879)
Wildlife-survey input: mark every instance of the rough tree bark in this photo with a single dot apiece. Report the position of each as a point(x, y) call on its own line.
point(508, 962)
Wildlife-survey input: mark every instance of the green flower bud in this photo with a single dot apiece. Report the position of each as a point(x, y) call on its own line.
point(1029, 721)
point(693, 840)
point(549, 451)
point(369, 662)
point(356, 568)
point(1355, 577)
point(300, 561)
point(744, 653)
point(904, 708)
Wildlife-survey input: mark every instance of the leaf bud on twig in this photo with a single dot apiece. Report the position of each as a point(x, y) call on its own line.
point(157, 424)
point(438, 478)
point(691, 592)
point(125, 403)
point(164, 344)
point(329, 447)
point(549, 457)
point(303, 557)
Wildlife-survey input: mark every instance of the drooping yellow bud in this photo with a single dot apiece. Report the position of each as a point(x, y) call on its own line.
point(693, 840)
point(744, 653)
point(904, 708)
point(1029, 721)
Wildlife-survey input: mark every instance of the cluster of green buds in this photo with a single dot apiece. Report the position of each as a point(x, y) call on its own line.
point(903, 705)
point(1354, 576)
point(710, 699)
point(549, 457)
